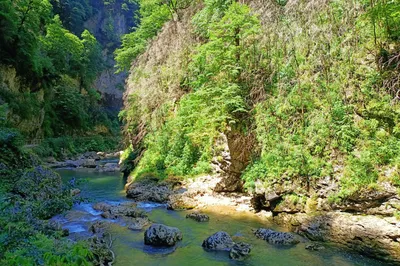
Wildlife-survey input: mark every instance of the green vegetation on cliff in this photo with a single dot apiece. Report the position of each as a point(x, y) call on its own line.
point(311, 87)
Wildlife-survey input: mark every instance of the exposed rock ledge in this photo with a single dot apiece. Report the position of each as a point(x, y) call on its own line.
point(370, 235)
point(189, 194)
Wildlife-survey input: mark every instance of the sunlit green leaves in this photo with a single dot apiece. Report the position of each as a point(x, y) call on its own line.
point(152, 17)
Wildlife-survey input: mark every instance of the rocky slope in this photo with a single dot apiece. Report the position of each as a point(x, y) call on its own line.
point(308, 205)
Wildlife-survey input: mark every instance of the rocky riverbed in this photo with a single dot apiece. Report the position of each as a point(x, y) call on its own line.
point(348, 224)
point(116, 226)
point(99, 161)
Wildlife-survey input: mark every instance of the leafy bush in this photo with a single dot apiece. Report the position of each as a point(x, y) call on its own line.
point(152, 16)
point(183, 145)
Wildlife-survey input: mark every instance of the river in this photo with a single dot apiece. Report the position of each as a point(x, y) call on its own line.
point(129, 248)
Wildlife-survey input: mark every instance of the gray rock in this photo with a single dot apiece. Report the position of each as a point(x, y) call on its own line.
point(138, 223)
point(198, 217)
point(314, 247)
point(162, 235)
point(182, 201)
point(218, 241)
point(149, 190)
point(88, 163)
point(240, 251)
point(91, 155)
point(122, 210)
point(102, 206)
point(109, 167)
point(75, 191)
point(276, 238)
point(99, 227)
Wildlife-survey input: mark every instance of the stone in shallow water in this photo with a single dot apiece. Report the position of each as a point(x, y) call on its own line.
point(218, 241)
point(102, 206)
point(276, 238)
point(314, 247)
point(161, 235)
point(240, 251)
point(138, 223)
point(121, 210)
point(199, 217)
point(99, 227)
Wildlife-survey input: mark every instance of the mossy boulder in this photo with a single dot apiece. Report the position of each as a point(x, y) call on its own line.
point(42, 191)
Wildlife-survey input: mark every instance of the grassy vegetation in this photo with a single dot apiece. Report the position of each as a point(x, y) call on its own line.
point(315, 83)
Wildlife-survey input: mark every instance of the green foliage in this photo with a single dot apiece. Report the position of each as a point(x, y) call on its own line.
point(40, 249)
point(68, 109)
point(213, 11)
point(24, 105)
point(50, 60)
point(305, 84)
point(21, 23)
point(310, 125)
point(3, 114)
point(29, 194)
point(63, 47)
point(385, 18)
point(183, 145)
point(73, 13)
point(152, 16)
point(62, 147)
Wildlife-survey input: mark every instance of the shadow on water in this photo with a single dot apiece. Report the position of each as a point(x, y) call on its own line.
point(130, 250)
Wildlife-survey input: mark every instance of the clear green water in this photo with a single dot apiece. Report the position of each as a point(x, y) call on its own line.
point(130, 250)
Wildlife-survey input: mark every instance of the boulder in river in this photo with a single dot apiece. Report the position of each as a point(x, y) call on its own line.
point(276, 238)
point(99, 227)
point(87, 163)
point(198, 217)
point(138, 223)
point(102, 206)
point(240, 251)
point(110, 167)
point(122, 210)
point(314, 247)
point(161, 235)
point(218, 241)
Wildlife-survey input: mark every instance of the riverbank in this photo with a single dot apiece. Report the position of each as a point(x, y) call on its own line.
point(375, 236)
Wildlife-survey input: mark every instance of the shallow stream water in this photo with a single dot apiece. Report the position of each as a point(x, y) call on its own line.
point(129, 248)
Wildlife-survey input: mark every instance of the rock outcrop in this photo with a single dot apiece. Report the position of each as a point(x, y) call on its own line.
point(370, 235)
point(240, 251)
point(123, 210)
point(218, 241)
point(198, 217)
point(161, 235)
point(276, 238)
point(150, 189)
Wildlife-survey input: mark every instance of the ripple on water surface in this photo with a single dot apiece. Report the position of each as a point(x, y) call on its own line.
point(130, 249)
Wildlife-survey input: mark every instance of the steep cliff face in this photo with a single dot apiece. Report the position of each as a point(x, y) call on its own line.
point(108, 23)
point(12, 89)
